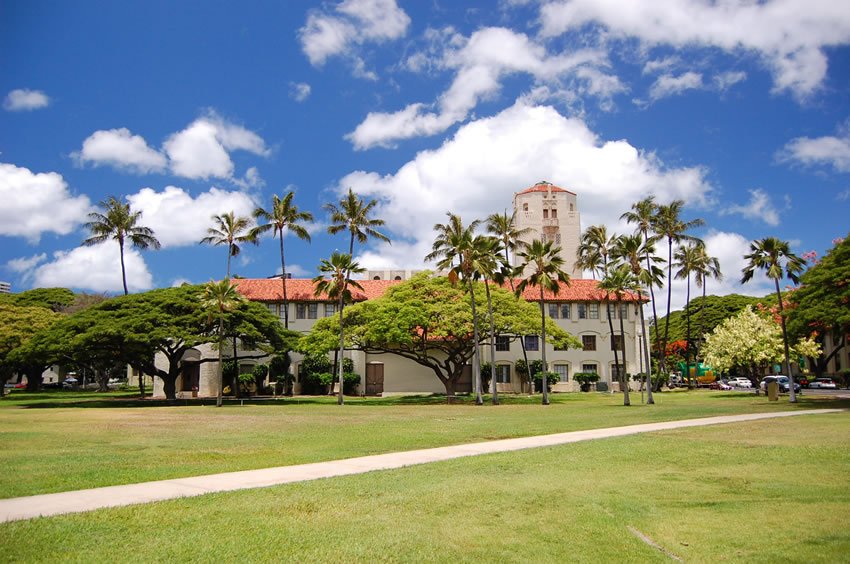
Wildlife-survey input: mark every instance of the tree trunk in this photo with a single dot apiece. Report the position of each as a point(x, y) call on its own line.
point(340, 399)
point(123, 270)
point(544, 382)
point(792, 395)
point(237, 383)
point(625, 376)
point(283, 283)
point(220, 393)
point(493, 385)
point(169, 384)
point(611, 333)
point(34, 378)
point(649, 399)
point(141, 384)
point(661, 362)
point(476, 357)
point(688, 335)
point(669, 296)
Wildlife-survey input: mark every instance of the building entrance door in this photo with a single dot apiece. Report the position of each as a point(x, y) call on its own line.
point(374, 379)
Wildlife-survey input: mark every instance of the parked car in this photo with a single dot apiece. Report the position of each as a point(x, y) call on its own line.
point(803, 381)
point(824, 383)
point(783, 381)
point(740, 382)
point(719, 385)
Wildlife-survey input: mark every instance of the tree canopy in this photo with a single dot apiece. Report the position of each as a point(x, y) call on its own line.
point(428, 320)
point(133, 329)
point(49, 298)
point(18, 325)
point(711, 311)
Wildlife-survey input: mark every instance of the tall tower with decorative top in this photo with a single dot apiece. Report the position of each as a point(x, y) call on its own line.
point(551, 214)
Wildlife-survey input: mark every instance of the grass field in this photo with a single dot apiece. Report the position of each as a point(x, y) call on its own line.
point(768, 491)
point(66, 441)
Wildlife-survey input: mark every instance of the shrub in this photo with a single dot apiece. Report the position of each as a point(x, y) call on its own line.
point(586, 377)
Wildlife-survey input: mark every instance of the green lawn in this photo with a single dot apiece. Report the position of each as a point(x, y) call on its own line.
point(768, 491)
point(61, 441)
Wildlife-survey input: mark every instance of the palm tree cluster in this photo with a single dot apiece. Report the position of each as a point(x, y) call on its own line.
point(470, 257)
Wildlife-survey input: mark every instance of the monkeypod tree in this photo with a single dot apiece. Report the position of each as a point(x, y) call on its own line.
point(428, 320)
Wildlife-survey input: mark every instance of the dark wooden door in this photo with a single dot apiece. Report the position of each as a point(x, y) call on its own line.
point(374, 379)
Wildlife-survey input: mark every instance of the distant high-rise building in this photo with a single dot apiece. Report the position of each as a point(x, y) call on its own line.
point(5, 288)
point(551, 214)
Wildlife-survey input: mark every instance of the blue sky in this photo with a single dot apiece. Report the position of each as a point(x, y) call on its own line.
point(191, 109)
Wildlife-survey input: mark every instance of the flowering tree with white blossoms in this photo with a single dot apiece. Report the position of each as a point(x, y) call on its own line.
point(750, 342)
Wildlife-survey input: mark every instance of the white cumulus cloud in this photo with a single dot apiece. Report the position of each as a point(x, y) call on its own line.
point(23, 99)
point(121, 149)
point(96, 268)
point(329, 33)
point(668, 85)
point(26, 264)
point(178, 219)
point(35, 203)
point(759, 208)
point(476, 173)
point(790, 36)
point(480, 64)
point(828, 150)
point(299, 91)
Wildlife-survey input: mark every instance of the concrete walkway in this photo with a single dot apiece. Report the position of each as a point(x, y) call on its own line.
point(114, 496)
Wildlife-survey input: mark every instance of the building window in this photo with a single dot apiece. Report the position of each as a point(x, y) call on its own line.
point(272, 308)
point(588, 342)
point(593, 311)
point(558, 238)
point(563, 372)
point(565, 311)
point(503, 373)
point(612, 311)
point(545, 213)
point(330, 310)
point(503, 343)
point(624, 311)
point(553, 311)
point(532, 342)
point(571, 207)
point(525, 207)
point(300, 311)
point(554, 214)
point(617, 343)
point(589, 367)
point(617, 370)
point(582, 311)
point(312, 311)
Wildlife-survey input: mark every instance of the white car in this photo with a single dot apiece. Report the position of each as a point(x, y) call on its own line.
point(741, 382)
point(825, 383)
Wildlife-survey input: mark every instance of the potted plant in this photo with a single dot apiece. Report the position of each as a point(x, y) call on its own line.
point(586, 379)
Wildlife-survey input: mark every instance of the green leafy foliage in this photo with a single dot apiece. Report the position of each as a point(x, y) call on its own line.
point(428, 320)
point(49, 298)
point(708, 313)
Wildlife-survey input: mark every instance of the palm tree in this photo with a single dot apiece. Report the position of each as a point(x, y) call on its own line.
point(631, 249)
point(120, 223)
point(217, 299)
point(667, 223)
point(456, 243)
point(547, 274)
point(504, 229)
point(594, 249)
point(704, 267)
point(352, 214)
point(231, 231)
point(491, 266)
point(685, 259)
point(283, 216)
point(773, 256)
point(643, 216)
point(618, 281)
point(339, 267)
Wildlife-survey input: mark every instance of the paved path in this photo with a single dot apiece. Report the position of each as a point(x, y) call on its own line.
point(113, 496)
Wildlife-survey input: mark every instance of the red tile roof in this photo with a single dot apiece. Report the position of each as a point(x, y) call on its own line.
point(302, 290)
point(544, 186)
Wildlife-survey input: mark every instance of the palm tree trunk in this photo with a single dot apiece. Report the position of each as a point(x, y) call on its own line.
point(626, 399)
point(669, 297)
point(649, 399)
point(545, 381)
point(493, 387)
point(283, 283)
point(611, 332)
point(476, 356)
point(792, 396)
point(521, 337)
point(218, 400)
point(123, 270)
point(688, 334)
point(340, 399)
